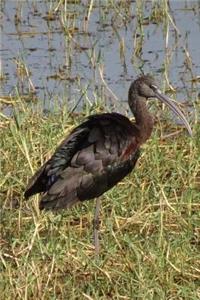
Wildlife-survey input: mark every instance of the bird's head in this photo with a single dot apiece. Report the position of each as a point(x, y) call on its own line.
point(145, 87)
point(142, 87)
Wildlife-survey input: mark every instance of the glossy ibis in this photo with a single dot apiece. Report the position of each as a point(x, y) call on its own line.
point(99, 153)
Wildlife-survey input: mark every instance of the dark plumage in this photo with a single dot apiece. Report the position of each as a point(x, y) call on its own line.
point(98, 153)
point(89, 162)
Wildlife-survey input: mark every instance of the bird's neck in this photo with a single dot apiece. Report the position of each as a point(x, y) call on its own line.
point(143, 119)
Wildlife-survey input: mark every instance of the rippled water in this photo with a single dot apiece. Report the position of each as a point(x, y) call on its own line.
point(62, 64)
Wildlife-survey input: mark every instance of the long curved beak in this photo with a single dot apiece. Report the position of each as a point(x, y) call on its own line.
point(173, 107)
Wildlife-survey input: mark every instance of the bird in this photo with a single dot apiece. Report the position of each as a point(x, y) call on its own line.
point(100, 152)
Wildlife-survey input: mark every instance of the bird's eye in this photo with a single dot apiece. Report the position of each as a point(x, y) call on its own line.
point(154, 87)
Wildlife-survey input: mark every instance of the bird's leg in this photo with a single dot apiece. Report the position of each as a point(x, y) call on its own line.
point(96, 226)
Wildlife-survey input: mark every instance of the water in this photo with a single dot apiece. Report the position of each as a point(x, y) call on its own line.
point(62, 64)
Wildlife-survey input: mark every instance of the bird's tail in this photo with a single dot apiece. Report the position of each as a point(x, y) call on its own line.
point(36, 184)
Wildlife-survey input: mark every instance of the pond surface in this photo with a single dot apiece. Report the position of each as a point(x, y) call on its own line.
point(59, 51)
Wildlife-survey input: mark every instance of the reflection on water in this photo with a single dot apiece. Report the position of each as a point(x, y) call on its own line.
point(38, 55)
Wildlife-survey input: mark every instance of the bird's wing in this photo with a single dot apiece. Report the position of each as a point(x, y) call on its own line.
point(42, 180)
point(95, 156)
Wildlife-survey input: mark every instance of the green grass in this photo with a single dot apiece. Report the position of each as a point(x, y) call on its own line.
point(150, 222)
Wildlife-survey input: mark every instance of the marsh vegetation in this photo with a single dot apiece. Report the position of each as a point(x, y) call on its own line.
point(62, 61)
